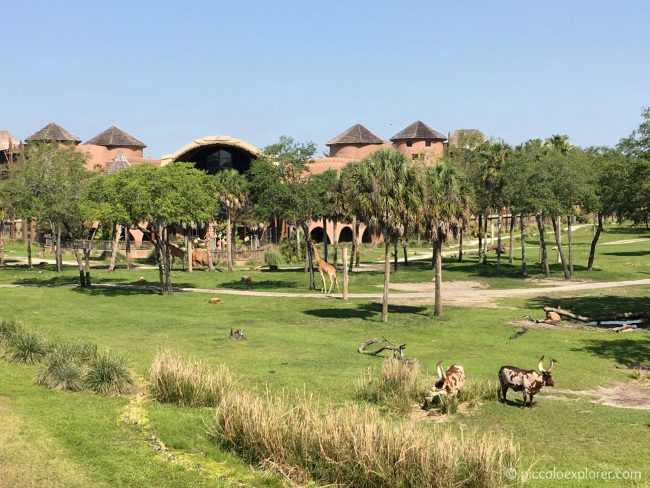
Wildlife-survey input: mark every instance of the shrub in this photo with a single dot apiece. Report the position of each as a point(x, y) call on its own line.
point(25, 347)
point(61, 373)
point(80, 352)
point(289, 249)
point(8, 328)
point(397, 387)
point(108, 374)
point(188, 382)
point(355, 446)
point(472, 394)
point(273, 258)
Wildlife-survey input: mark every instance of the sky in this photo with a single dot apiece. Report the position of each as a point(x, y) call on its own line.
point(169, 72)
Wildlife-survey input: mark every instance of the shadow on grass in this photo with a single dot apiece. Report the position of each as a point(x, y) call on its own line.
point(593, 306)
point(116, 291)
point(258, 285)
point(365, 311)
point(628, 253)
point(628, 352)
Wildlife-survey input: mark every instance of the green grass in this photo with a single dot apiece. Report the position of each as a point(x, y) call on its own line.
point(308, 345)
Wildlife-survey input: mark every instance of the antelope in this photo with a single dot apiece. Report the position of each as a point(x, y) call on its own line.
point(449, 382)
point(528, 381)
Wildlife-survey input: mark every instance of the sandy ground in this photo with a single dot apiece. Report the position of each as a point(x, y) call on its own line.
point(632, 394)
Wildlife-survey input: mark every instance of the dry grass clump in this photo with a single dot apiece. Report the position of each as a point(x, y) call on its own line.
point(641, 375)
point(471, 395)
point(396, 387)
point(188, 382)
point(66, 365)
point(355, 446)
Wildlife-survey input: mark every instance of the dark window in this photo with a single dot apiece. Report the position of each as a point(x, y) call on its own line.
point(415, 156)
point(409, 143)
point(427, 143)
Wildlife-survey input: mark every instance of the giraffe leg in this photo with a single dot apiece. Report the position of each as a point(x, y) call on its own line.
point(322, 276)
point(337, 282)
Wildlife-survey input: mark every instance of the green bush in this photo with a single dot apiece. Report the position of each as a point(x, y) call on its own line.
point(273, 257)
point(25, 347)
point(61, 372)
point(289, 249)
point(8, 328)
point(108, 374)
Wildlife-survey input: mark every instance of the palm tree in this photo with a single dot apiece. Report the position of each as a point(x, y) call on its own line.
point(232, 190)
point(446, 208)
point(337, 207)
point(386, 182)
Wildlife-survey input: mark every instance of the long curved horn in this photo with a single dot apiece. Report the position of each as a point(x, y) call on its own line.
point(551, 366)
point(540, 366)
point(439, 370)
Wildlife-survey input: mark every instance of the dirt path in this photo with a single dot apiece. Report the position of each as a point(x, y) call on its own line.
point(458, 293)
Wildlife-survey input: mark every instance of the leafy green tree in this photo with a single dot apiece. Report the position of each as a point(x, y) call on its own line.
point(386, 182)
point(232, 191)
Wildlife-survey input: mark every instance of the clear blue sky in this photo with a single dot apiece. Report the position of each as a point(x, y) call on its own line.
point(168, 72)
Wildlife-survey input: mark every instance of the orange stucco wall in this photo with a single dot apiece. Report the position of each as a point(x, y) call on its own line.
point(354, 151)
point(433, 152)
point(101, 156)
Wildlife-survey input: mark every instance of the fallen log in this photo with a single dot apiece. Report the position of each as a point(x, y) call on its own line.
point(623, 328)
point(386, 345)
point(564, 313)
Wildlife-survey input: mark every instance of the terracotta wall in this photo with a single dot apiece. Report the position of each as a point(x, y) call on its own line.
point(354, 151)
point(102, 155)
point(432, 152)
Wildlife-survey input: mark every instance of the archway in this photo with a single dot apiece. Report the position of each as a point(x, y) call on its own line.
point(346, 234)
point(366, 238)
point(316, 234)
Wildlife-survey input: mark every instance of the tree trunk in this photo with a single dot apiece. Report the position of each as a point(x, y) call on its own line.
point(355, 236)
point(437, 309)
point(2, 241)
point(570, 244)
point(460, 245)
point(487, 213)
point(522, 227)
point(480, 237)
point(405, 249)
point(82, 276)
point(594, 241)
point(357, 257)
point(30, 223)
point(324, 238)
point(298, 244)
point(345, 273)
point(512, 228)
point(168, 264)
point(58, 255)
point(558, 237)
point(335, 241)
point(309, 260)
point(229, 242)
point(87, 264)
point(127, 246)
point(188, 249)
point(395, 255)
point(499, 222)
point(384, 303)
point(556, 230)
point(158, 243)
point(542, 245)
point(117, 229)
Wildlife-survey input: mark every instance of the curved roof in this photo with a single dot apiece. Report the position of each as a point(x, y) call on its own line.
point(211, 141)
point(357, 134)
point(418, 130)
point(114, 136)
point(53, 133)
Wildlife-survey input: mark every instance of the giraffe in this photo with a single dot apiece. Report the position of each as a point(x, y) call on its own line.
point(325, 267)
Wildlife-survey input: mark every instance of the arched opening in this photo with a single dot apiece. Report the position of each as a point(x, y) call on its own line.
point(316, 234)
point(346, 234)
point(216, 157)
point(366, 238)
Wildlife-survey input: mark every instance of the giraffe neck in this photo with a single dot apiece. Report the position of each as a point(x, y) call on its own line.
point(318, 258)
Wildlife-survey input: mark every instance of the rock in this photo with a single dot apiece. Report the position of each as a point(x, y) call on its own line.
point(215, 301)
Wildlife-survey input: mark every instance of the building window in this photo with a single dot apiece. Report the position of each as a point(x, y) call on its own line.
point(427, 143)
point(409, 143)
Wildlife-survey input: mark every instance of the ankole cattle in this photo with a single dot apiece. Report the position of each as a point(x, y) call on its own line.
point(530, 382)
point(449, 382)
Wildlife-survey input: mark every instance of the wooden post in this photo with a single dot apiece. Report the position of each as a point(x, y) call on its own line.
point(345, 273)
point(188, 249)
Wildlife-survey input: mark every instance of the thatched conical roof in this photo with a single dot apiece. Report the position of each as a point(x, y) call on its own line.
point(357, 134)
point(119, 162)
point(418, 130)
point(115, 137)
point(53, 133)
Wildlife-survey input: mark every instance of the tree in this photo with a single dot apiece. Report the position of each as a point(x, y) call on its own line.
point(231, 191)
point(386, 182)
point(161, 197)
point(446, 208)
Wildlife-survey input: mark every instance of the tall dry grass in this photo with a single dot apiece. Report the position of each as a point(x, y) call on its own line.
point(355, 446)
point(188, 382)
point(397, 386)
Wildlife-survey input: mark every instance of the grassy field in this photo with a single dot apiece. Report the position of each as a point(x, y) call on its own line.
point(53, 438)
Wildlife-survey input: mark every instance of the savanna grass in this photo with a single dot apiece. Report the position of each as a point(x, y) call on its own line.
point(66, 365)
point(109, 374)
point(355, 446)
point(396, 388)
point(25, 346)
point(187, 382)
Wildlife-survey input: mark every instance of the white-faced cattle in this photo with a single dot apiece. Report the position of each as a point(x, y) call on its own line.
point(530, 382)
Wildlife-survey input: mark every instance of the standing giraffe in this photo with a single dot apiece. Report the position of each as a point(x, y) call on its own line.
point(325, 267)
